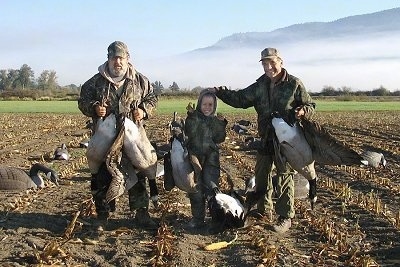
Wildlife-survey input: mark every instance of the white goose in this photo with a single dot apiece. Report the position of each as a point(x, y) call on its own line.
point(226, 210)
point(178, 164)
point(106, 145)
point(301, 144)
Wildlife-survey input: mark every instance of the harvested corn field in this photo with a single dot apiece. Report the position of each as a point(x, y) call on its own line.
point(355, 222)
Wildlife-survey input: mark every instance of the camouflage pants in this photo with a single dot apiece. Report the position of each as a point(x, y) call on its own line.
point(138, 197)
point(285, 187)
point(210, 173)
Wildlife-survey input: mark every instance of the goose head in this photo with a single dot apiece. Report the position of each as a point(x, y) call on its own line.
point(37, 179)
point(61, 153)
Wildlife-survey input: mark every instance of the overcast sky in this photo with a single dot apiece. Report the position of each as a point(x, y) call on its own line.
point(71, 36)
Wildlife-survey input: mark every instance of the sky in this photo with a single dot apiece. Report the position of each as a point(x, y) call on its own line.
point(71, 36)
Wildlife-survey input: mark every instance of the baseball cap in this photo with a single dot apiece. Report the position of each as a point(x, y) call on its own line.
point(270, 53)
point(118, 49)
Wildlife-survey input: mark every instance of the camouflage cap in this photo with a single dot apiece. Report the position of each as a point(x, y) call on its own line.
point(117, 49)
point(270, 53)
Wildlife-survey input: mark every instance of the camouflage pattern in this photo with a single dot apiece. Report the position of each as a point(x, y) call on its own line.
point(204, 133)
point(135, 92)
point(285, 96)
point(117, 49)
point(288, 94)
point(270, 53)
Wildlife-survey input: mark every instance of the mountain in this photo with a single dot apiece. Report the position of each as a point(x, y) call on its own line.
point(357, 52)
point(384, 22)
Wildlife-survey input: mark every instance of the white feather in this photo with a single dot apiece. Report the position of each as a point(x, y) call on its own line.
point(229, 204)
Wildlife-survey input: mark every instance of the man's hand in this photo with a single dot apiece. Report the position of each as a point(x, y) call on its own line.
point(138, 114)
point(216, 89)
point(299, 112)
point(101, 110)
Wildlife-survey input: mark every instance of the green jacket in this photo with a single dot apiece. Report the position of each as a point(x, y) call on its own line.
point(136, 92)
point(288, 94)
point(204, 133)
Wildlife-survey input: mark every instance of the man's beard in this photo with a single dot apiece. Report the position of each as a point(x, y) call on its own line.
point(117, 72)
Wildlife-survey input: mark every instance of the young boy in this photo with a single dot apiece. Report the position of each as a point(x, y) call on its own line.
point(204, 130)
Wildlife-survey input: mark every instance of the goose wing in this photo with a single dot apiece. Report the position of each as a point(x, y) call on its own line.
point(15, 179)
point(327, 149)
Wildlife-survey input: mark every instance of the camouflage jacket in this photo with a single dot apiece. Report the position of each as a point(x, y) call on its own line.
point(136, 92)
point(204, 133)
point(287, 94)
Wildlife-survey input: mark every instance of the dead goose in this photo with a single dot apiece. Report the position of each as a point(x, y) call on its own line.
point(373, 159)
point(106, 145)
point(12, 178)
point(301, 144)
point(226, 211)
point(61, 153)
point(179, 169)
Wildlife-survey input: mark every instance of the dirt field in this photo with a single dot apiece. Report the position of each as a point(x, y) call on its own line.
point(356, 220)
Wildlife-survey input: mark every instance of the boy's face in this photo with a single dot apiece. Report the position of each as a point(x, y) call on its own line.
point(207, 105)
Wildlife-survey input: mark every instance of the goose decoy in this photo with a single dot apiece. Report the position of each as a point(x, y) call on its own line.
point(239, 129)
point(253, 143)
point(250, 185)
point(12, 178)
point(226, 211)
point(182, 166)
point(61, 153)
point(303, 143)
point(84, 143)
point(374, 159)
point(245, 123)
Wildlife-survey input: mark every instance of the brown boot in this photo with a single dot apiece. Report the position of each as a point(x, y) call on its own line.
point(282, 225)
point(144, 220)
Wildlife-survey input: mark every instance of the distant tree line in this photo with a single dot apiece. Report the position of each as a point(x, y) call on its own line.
point(22, 83)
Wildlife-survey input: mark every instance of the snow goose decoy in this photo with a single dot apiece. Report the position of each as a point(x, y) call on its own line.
point(12, 178)
point(225, 210)
point(373, 159)
point(61, 153)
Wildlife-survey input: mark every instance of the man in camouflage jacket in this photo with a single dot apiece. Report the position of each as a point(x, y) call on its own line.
point(275, 91)
point(118, 88)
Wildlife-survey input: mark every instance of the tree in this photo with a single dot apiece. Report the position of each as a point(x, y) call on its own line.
point(158, 87)
point(328, 91)
point(174, 87)
point(381, 91)
point(47, 80)
point(26, 76)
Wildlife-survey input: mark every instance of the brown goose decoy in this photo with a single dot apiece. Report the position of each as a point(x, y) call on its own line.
point(12, 178)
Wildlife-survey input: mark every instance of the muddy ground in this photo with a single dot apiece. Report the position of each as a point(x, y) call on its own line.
point(355, 222)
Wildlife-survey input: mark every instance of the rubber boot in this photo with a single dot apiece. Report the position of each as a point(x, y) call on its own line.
point(144, 220)
point(312, 193)
point(198, 208)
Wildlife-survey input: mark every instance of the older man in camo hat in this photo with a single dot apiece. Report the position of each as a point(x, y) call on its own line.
point(275, 91)
point(117, 88)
